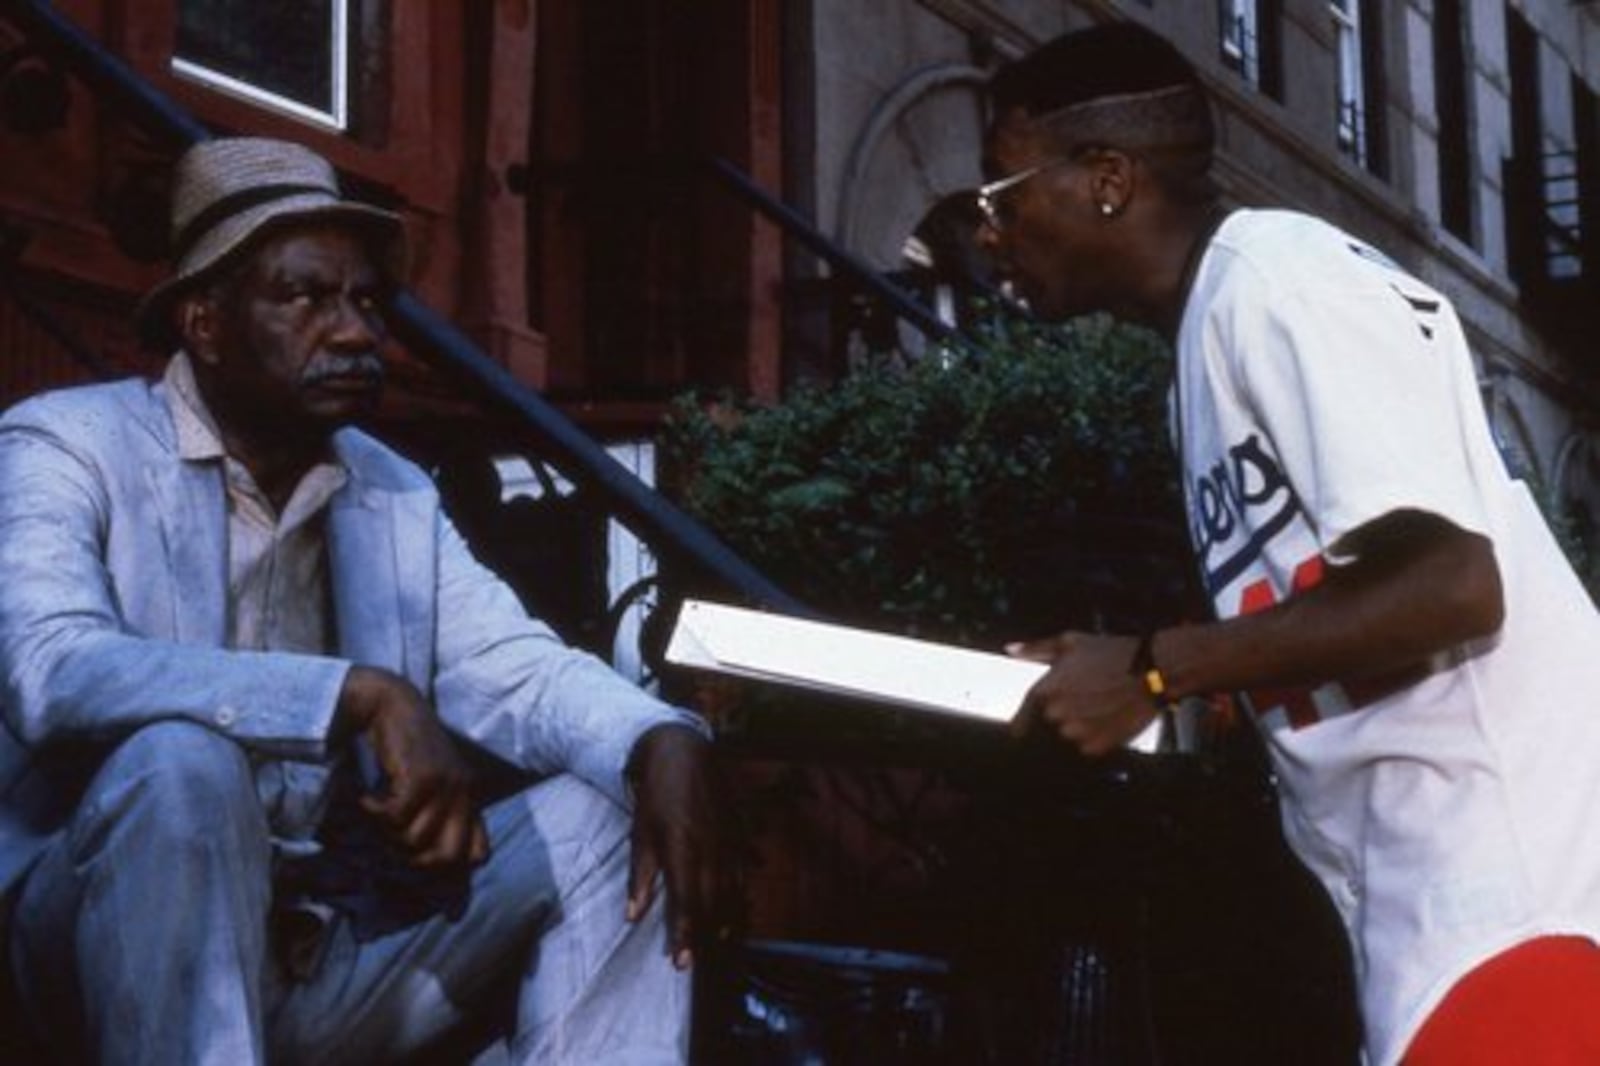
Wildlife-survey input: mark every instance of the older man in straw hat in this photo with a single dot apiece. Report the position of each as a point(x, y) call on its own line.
point(250, 673)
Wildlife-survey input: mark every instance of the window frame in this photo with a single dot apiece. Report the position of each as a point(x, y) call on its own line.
point(1249, 43)
point(1239, 38)
point(1350, 85)
point(1452, 44)
point(337, 118)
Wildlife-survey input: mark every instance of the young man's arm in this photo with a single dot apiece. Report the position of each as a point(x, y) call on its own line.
point(1416, 585)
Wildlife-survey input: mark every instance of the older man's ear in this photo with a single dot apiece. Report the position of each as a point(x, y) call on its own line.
point(195, 319)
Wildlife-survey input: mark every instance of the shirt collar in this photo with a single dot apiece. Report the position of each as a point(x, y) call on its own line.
point(200, 440)
point(198, 437)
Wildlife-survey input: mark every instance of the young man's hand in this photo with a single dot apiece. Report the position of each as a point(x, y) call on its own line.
point(1089, 698)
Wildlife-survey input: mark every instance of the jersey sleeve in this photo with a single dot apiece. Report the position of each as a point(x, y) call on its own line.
point(1358, 382)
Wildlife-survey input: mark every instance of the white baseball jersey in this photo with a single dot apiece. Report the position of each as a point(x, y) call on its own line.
point(1450, 816)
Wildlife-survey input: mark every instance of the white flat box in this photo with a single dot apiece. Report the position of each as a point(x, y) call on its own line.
point(861, 663)
point(846, 661)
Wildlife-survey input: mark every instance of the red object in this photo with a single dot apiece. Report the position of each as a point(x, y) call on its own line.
point(1534, 1005)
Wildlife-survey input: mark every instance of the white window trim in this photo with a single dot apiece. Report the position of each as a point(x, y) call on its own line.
point(1352, 86)
point(1241, 36)
point(339, 54)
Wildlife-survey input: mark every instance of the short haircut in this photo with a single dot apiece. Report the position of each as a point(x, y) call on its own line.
point(1117, 85)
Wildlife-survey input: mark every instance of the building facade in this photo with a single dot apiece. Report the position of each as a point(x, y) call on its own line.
point(1461, 136)
point(549, 156)
point(542, 153)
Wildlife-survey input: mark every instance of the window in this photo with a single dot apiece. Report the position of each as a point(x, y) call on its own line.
point(1248, 40)
point(1563, 241)
point(1360, 95)
point(1239, 38)
point(290, 57)
point(1586, 135)
point(1524, 178)
point(1569, 193)
point(1545, 194)
point(1352, 101)
point(1452, 105)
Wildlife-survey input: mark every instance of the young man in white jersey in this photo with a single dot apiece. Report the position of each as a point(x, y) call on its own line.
point(1419, 657)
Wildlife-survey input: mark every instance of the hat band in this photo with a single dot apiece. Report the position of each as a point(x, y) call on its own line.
point(233, 204)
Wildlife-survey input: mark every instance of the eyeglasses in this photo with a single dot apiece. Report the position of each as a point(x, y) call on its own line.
point(988, 195)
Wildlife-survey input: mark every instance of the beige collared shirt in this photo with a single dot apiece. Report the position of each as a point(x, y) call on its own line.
point(279, 594)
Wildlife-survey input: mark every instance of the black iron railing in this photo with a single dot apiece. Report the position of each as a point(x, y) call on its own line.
point(852, 267)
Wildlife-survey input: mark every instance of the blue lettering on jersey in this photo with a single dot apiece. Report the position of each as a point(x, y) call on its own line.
point(1235, 508)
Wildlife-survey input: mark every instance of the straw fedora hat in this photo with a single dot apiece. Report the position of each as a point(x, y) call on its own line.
point(229, 191)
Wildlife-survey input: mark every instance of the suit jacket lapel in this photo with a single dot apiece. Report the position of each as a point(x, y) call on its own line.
point(362, 569)
point(193, 514)
point(412, 516)
point(380, 565)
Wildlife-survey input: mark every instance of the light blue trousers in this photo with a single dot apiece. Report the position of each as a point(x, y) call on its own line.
point(141, 936)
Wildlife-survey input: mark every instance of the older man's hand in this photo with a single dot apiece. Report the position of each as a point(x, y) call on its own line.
point(678, 835)
point(427, 804)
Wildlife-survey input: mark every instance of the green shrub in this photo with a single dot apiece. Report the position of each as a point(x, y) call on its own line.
point(977, 498)
point(1574, 530)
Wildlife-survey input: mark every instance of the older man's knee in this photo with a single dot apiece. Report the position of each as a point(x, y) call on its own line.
point(177, 778)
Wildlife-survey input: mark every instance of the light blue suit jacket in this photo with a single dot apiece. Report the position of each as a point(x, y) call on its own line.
point(113, 583)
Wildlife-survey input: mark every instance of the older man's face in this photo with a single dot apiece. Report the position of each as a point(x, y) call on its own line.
point(300, 332)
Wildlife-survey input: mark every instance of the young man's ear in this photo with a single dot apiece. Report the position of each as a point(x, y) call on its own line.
point(195, 318)
point(1112, 180)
